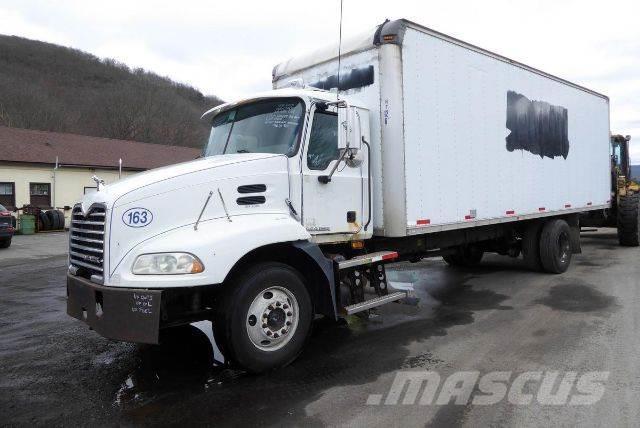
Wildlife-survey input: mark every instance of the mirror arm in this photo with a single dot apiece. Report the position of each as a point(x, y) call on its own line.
point(324, 179)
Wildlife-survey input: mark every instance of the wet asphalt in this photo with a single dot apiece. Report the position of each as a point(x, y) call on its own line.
point(496, 317)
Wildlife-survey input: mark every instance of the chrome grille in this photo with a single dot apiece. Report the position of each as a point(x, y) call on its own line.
point(86, 241)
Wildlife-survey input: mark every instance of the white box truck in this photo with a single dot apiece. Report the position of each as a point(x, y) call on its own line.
point(433, 147)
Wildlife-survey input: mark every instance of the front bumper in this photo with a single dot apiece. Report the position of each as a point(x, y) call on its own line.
point(126, 314)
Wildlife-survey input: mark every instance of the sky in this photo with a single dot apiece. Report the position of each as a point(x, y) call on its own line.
point(228, 48)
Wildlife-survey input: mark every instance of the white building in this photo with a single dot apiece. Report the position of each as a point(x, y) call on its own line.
point(52, 169)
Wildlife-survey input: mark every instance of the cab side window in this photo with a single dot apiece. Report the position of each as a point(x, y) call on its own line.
point(323, 142)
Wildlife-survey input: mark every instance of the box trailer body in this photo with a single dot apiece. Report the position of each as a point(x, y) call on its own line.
point(463, 137)
point(431, 147)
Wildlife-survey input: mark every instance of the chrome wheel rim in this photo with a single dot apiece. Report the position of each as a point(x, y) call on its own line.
point(272, 318)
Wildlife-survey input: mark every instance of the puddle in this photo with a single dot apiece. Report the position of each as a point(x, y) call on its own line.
point(577, 298)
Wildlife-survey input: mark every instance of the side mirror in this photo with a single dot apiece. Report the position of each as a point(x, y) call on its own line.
point(343, 128)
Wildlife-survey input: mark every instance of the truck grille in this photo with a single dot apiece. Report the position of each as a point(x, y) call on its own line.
point(86, 241)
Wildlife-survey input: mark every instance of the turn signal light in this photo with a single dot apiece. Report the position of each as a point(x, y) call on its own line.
point(357, 245)
point(197, 266)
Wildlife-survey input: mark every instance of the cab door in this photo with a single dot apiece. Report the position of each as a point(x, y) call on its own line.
point(335, 207)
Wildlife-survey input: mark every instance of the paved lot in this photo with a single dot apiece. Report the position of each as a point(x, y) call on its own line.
point(497, 317)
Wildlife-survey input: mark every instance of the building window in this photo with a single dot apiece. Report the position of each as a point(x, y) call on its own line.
point(40, 194)
point(8, 195)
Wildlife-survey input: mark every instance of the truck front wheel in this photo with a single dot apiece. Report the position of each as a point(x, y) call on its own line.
point(265, 318)
point(555, 246)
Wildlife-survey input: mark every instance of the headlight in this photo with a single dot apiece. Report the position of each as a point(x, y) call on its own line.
point(167, 264)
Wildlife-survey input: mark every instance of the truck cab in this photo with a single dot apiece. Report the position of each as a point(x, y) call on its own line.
point(280, 174)
point(314, 131)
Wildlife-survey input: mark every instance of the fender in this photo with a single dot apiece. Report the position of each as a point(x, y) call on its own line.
point(218, 243)
point(325, 302)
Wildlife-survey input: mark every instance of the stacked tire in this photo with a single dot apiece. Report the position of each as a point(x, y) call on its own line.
point(51, 220)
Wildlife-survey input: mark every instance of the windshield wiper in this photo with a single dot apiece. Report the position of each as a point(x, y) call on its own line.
point(243, 151)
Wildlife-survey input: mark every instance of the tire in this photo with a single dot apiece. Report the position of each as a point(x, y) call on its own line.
point(53, 219)
point(555, 246)
point(465, 256)
point(270, 292)
point(531, 246)
point(60, 215)
point(5, 243)
point(628, 221)
point(45, 220)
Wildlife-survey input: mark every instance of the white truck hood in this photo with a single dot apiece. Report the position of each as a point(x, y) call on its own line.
point(111, 192)
point(175, 196)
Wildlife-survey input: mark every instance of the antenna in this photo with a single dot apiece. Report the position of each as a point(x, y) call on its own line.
point(339, 52)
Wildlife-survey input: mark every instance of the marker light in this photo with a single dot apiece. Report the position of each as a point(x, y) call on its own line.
point(167, 264)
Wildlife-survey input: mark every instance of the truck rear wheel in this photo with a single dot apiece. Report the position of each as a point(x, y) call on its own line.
point(5, 243)
point(265, 319)
point(628, 221)
point(555, 246)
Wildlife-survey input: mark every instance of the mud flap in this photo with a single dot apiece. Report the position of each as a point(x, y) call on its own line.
point(126, 314)
point(574, 225)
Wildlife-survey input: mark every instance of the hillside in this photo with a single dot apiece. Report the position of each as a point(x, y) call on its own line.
point(54, 88)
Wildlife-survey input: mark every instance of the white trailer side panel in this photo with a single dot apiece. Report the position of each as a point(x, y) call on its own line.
point(458, 170)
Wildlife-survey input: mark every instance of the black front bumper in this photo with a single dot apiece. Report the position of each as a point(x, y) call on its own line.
point(126, 314)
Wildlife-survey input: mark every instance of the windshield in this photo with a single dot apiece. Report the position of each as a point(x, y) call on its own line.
point(270, 126)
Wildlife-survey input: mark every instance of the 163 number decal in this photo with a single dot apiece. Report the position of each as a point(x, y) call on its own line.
point(137, 217)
